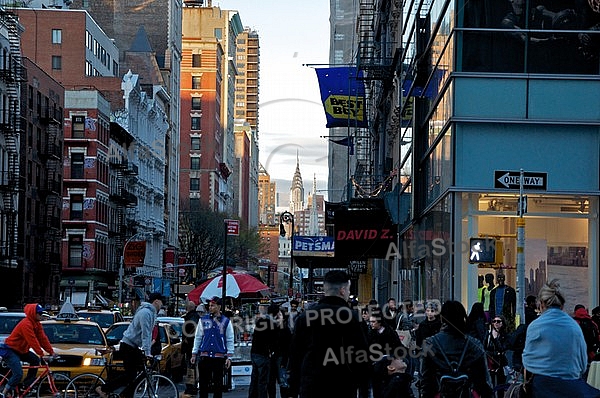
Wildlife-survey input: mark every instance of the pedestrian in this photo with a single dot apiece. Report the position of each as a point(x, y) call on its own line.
point(293, 314)
point(213, 348)
point(485, 294)
point(453, 350)
point(394, 379)
point(26, 342)
point(190, 323)
point(383, 340)
point(495, 344)
point(135, 346)
point(431, 325)
point(279, 354)
point(263, 346)
point(555, 350)
point(589, 329)
point(328, 357)
point(391, 312)
point(476, 322)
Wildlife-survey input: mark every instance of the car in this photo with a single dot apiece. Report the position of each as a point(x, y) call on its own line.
point(102, 317)
point(171, 364)
point(8, 321)
point(175, 321)
point(81, 345)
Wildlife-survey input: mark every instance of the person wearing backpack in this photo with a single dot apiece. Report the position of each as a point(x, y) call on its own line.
point(589, 329)
point(454, 363)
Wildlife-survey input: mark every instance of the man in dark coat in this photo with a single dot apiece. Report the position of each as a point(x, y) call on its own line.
point(503, 301)
point(191, 319)
point(329, 353)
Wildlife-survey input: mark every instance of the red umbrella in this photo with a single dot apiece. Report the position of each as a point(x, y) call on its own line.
point(237, 283)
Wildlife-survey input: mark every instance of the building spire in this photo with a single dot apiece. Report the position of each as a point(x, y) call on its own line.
point(297, 189)
point(313, 220)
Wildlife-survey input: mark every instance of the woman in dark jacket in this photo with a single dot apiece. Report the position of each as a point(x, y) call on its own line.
point(495, 347)
point(451, 342)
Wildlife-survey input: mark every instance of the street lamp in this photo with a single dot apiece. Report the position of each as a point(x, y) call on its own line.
point(122, 263)
point(287, 217)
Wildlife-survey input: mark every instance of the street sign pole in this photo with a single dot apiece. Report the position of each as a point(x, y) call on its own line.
point(521, 254)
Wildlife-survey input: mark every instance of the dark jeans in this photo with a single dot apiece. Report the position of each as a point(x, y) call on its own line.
point(133, 361)
point(211, 370)
point(13, 360)
point(259, 379)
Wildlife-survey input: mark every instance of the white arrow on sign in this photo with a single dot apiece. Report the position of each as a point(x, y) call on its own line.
point(507, 180)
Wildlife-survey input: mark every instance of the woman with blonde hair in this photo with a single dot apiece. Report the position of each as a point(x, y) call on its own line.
point(555, 351)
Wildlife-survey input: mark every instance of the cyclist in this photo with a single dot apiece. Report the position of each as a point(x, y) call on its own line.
point(137, 336)
point(28, 334)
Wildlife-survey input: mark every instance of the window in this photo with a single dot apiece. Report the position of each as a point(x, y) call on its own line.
point(76, 207)
point(195, 143)
point(56, 36)
point(75, 251)
point(196, 60)
point(195, 163)
point(195, 82)
point(195, 123)
point(78, 129)
point(77, 165)
point(219, 33)
point(56, 62)
point(194, 184)
point(196, 103)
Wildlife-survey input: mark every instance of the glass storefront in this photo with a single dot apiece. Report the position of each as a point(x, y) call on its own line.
point(558, 241)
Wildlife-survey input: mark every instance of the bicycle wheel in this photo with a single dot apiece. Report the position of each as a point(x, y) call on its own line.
point(84, 386)
point(44, 390)
point(159, 387)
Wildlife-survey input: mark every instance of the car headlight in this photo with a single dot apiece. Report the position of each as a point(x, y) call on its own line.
point(93, 362)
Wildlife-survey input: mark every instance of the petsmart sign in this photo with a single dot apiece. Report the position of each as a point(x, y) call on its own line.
point(315, 246)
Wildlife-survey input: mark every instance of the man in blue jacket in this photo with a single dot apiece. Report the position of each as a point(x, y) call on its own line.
point(213, 348)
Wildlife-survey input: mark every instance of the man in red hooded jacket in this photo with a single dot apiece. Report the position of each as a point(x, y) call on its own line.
point(28, 334)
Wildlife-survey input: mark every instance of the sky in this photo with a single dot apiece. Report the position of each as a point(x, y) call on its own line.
point(291, 117)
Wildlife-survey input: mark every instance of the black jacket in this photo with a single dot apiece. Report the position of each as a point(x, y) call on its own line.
point(474, 363)
point(191, 319)
point(329, 352)
point(426, 329)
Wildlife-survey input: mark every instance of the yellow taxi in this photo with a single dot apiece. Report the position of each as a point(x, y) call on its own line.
point(102, 317)
point(81, 345)
point(171, 364)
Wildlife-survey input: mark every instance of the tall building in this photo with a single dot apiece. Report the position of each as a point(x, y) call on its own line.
point(207, 145)
point(161, 20)
point(40, 200)
point(267, 192)
point(297, 190)
point(476, 106)
point(341, 165)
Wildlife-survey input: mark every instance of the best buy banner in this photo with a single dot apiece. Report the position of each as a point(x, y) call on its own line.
point(343, 96)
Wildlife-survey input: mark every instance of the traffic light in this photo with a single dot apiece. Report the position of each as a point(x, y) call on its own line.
point(482, 251)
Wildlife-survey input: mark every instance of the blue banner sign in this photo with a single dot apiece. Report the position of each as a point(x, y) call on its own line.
point(317, 246)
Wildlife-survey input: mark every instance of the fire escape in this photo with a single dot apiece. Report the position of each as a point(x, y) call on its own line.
point(375, 59)
point(12, 73)
point(50, 191)
point(125, 203)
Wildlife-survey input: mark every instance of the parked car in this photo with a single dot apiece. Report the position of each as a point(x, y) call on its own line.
point(175, 321)
point(8, 321)
point(171, 363)
point(81, 345)
point(102, 317)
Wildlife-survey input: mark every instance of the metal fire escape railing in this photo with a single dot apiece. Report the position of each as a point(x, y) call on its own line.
point(12, 73)
point(124, 201)
point(50, 191)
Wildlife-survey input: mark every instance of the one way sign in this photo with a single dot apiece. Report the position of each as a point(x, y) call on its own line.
point(510, 180)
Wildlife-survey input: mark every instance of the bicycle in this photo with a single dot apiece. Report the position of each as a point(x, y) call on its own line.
point(149, 384)
point(47, 383)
